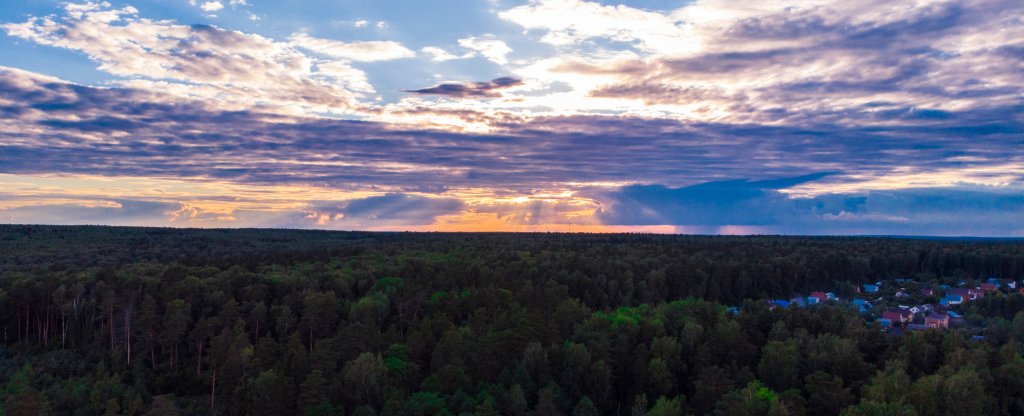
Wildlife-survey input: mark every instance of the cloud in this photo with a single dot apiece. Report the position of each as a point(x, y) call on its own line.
point(487, 46)
point(651, 93)
point(570, 22)
point(390, 209)
point(51, 126)
point(122, 212)
point(760, 207)
point(441, 55)
point(369, 51)
point(211, 6)
point(491, 48)
point(232, 69)
point(476, 89)
point(735, 202)
point(774, 62)
point(583, 170)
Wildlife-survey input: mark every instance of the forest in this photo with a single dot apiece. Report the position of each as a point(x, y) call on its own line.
point(159, 321)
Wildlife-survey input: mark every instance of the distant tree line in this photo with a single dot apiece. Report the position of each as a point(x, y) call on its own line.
point(141, 321)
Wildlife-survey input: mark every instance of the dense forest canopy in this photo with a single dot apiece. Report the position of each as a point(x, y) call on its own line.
point(111, 320)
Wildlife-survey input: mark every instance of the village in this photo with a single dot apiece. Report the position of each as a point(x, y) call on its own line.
point(899, 305)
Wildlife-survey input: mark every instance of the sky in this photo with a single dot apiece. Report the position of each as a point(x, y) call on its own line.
point(819, 117)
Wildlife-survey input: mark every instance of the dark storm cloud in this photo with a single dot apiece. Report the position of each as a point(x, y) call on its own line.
point(759, 206)
point(476, 89)
point(736, 202)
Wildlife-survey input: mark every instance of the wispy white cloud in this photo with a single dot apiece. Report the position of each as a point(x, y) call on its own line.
point(211, 6)
point(363, 51)
point(488, 46)
point(571, 22)
point(235, 69)
point(440, 55)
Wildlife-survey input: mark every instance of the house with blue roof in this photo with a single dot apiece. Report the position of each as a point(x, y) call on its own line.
point(782, 303)
point(951, 299)
point(870, 288)
point(955, 318)
point(861, 304)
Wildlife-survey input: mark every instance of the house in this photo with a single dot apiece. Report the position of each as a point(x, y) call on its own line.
point(818, 296)
point(927, 292)
point(798, 301)
point(782, 303)
point(831, 296)
point(1010, 283)
point(898, 315)
point(954, 318)
point(870, 288)
point(732, 310)
point(812, 300)
point(884, 323)
point(968, 294)
point(916, 310)
point(937, 320)
point(861, 304)
point(989, 287)
point(951, 299)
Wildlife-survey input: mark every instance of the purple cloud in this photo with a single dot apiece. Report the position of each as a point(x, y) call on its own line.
point(476, 89)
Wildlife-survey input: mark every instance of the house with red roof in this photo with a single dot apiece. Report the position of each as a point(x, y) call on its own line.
point(897, 315)
point(937, 320)
point(989, 287)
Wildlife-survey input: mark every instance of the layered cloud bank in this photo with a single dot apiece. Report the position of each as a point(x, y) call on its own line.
point(813, 117)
